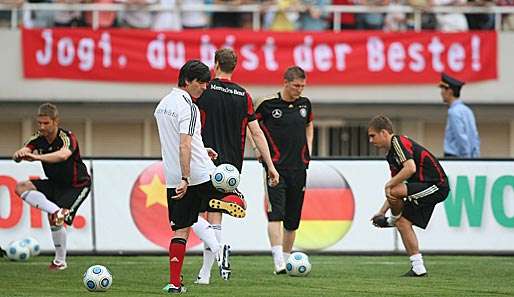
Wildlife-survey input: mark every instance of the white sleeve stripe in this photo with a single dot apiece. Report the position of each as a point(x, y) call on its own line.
point(193, 120)
point(34, 136)
point(399, 150)
point(65, 140)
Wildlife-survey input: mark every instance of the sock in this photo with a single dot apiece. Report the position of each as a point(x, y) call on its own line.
point(286, 256)
point(59, 238)
point(177, 251)
point(208, 260)
point(217, 231)
point(417, 264)
point(204, 231)
point(391, 220)
point(39, 200)
point(278, 257)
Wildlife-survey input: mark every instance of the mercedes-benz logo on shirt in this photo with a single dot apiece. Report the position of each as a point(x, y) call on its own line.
point(276, 113)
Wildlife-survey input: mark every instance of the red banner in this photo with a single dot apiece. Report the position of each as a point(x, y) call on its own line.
point(349, 57)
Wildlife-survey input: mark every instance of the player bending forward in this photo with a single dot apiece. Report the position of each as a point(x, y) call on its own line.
point(417, 184)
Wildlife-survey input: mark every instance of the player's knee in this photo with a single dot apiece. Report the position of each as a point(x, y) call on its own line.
point(291, 225)
point(393, 199)
point(22, 187)
point(403, 224)
point(399, 191)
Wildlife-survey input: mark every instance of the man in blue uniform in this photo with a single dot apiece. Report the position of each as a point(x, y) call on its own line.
point(460, 136)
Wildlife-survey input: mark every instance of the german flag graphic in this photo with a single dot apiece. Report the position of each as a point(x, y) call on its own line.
point(328, 208)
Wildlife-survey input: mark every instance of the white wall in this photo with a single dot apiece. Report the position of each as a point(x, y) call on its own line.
point(128, 206)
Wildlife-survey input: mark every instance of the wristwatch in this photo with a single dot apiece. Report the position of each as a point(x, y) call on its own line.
point(187, 179)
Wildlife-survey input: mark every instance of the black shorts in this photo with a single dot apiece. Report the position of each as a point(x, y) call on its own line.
point(285, 201)
point(63, 196)
point(184, 212)
point(421, 200)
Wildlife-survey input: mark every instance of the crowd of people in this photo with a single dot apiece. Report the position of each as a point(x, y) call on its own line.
point(289, 15)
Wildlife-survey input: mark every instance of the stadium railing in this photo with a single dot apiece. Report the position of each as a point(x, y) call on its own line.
point(256, 11)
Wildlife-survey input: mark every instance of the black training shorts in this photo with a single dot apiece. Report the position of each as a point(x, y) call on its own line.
point(285, 201)
point(63, 196)
point(421, 200)
point(184, 212)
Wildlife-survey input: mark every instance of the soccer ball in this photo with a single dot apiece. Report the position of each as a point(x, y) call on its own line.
point(33, 246)
point(97, 278)
point(298, 264)
point(18, 251)
point(225, 178)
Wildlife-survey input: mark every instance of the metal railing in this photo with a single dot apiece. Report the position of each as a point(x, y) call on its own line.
point(255, 9)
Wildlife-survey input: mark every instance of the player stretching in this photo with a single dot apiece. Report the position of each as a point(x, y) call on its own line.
point(68, 182)
point(417, 184)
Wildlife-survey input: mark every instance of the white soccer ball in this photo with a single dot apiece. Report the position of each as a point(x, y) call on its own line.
point(298, 264)
point(18, 251)
point(97, 278)
point(225, 178)
point(33, 246)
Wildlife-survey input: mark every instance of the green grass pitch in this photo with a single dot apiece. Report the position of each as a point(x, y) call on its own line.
point(343, 275)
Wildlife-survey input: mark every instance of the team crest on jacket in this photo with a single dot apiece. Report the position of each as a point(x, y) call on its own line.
point(303, 112)
point(276, 113)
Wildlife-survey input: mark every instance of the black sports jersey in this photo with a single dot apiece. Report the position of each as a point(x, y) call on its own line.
point(226, 109)
point(70, 172)
point(428, 169)
point(284, 125)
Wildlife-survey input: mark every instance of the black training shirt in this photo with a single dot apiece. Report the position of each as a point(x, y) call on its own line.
point(72, 171)
point(428, 169)
point(226, 109)
point(284, 125)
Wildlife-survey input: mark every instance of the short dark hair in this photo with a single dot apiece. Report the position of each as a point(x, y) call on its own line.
point(48, 110)
point(294, 72)
point(381, 122)
point(226, 59)
point(191, 70)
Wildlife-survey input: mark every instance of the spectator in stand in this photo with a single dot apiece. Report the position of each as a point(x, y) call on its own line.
point(395, 21)
point(314, 15)
point(228, 19)
point(106, 19)
point(68, 18)
point(370, 21)
point(428, 20)
point(38, 19)
point(347, 19)
point(480, 21)
point(195, 19)
point(136, 15)
point(450, 22)
point(286, 16)
point(169, 19)
point(5, 15)
point(507, 19)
